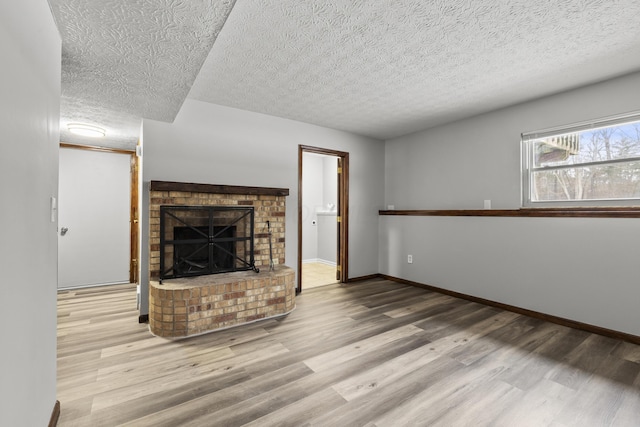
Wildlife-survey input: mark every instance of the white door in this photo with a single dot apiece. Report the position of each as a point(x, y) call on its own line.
point(94, 215)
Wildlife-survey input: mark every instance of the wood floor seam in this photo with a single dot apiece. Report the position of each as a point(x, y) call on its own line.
point(369, 353)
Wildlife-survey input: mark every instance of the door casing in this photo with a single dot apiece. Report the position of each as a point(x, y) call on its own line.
point(343, 211)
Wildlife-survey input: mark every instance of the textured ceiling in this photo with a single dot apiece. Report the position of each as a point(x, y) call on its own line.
point(381, 68)
point(124, 60)
point(385, 68)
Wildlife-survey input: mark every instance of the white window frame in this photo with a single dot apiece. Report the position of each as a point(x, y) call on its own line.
point(527, 168)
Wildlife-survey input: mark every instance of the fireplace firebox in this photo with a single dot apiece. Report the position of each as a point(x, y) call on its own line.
point(199, 240)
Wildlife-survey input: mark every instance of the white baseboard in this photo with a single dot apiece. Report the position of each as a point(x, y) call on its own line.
point(93, 285)
point(318, 261)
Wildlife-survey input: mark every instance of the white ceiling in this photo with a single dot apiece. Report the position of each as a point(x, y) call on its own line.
point(124, 60)
point(380, 68)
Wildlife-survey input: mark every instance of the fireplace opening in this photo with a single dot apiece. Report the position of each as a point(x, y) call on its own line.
point(199, 240)
point(194, 258)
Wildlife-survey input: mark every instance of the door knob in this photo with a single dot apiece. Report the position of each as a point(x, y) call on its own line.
point(63, 231)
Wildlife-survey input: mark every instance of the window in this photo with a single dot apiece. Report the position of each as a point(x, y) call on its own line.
point(588, 164)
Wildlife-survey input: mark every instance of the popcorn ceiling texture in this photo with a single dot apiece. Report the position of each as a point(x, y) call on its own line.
point(124, 60)
point(390, 67)
point(123, 129)
point(380, 68)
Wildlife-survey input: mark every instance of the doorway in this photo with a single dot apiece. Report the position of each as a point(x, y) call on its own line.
point(323, 177)
point(96, 223)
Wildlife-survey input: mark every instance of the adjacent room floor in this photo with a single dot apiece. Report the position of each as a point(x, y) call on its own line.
point(372, 353)
point(316, 274)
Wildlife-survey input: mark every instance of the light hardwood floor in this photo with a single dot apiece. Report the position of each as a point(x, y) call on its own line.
point(316, 274)
point(373, 353)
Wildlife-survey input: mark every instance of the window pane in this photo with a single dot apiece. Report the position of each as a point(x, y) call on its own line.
point(611, 143)
point(601, 182)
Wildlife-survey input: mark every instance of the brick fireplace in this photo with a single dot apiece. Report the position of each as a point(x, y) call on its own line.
point(180, 307)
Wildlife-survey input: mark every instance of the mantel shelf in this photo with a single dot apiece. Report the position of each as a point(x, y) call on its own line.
point(617, 212)
point(217, 189)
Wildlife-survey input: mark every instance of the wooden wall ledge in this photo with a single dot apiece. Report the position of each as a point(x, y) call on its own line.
point(216, 189)
point(604, 212)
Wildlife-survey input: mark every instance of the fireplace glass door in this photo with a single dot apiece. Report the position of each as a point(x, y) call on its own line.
point(199, 240)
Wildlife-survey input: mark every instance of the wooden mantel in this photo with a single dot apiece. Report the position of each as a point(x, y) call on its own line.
point(217, 189)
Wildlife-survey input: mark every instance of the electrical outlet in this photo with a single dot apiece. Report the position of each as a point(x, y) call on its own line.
point(409, 259)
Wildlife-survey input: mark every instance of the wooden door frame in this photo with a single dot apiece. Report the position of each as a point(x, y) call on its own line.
point(134, 226)
point(343, 213)
point(134, 268)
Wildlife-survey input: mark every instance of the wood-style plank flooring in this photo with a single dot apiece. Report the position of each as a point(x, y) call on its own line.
point(373, 353)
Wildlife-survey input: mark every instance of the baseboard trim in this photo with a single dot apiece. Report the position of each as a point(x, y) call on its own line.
point(634, 339)
point(55, 415)
point(319, 261)
point(368, 277)
point(143, 318)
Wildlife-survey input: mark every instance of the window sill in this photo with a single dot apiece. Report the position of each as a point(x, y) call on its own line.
point(603, 212)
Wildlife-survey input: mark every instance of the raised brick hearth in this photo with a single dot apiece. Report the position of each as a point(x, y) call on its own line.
point(195, 305)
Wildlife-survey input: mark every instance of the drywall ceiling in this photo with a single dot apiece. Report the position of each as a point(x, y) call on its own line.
point(124, 60)
point(381, 68)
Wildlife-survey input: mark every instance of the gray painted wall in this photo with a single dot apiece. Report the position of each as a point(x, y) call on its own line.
point(29, 123)
point(219, 145)
point(582, 269)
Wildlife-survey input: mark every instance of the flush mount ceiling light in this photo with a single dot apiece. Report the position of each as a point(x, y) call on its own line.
point(86, 130)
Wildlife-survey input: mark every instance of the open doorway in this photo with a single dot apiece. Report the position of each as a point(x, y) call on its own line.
point(322, 217)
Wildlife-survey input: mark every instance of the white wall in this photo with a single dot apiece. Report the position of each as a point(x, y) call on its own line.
point(582, 269)
point(327, 237)
point(29, 117)
point(327, 224)
point(218, 145)
point(329, 181)
point(312, 188)
point(319, 189)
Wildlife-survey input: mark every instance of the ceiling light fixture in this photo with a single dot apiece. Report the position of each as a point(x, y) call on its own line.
point(86, 130)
